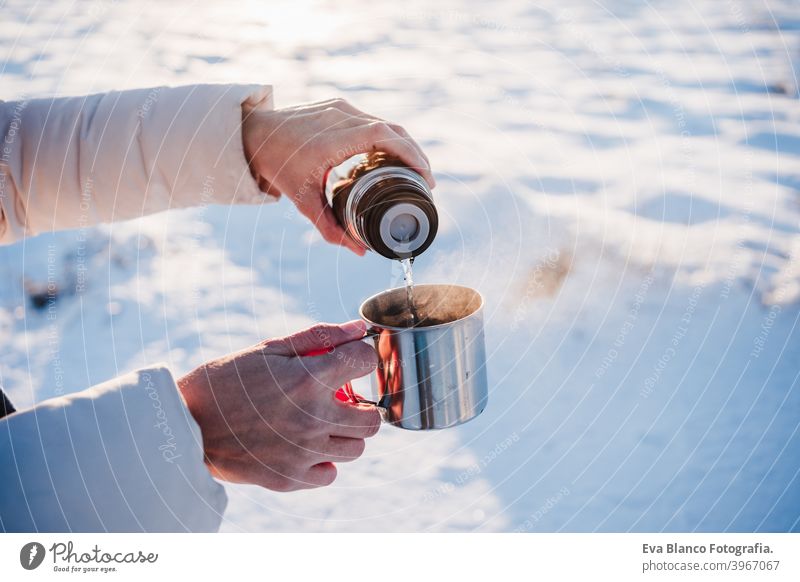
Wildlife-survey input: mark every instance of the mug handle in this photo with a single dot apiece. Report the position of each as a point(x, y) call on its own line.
point(346, 392)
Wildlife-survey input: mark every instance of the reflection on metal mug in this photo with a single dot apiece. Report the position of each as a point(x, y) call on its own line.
point(432, 375)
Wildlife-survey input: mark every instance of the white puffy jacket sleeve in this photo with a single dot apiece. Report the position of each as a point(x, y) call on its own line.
point(125, 455)
point(72, 162)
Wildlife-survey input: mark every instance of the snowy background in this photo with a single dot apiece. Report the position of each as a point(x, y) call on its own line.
point(620, 179)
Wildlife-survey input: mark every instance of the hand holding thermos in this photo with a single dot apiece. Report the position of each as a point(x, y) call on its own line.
point(291, 150)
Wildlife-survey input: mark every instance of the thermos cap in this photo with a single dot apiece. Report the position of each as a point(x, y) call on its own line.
point(404, 228)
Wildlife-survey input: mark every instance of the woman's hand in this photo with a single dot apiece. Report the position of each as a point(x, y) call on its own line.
point(270, 417)
point(290, 150)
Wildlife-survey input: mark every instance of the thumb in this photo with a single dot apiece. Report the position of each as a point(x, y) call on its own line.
point(321, 215)
point(316, 340)
point(333, 232)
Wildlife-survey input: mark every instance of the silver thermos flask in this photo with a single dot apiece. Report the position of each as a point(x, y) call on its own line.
point(383, 205)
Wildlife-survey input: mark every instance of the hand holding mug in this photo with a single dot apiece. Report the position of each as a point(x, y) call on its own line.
point(269, 415)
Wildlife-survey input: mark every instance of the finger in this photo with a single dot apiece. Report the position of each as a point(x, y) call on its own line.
point(343, 449)
point(411, 149)
point(320, 475)
point(332, 232)
point(359, 115)
point(344, 363)
point(378, 136)
point(358, 421)
point(317, 210)
point(253, 471)
point(400, 130)
point(266, 186)
point(323, 336)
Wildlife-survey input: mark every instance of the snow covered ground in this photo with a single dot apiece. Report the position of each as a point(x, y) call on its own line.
point(620, 179)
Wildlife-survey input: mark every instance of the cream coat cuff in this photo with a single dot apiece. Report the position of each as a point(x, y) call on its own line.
point(74, 162)
point(124, 456)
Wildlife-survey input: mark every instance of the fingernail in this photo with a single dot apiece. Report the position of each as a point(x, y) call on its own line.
point(354, 327)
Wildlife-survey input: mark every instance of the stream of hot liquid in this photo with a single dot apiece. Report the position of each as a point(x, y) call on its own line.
point(413, 316)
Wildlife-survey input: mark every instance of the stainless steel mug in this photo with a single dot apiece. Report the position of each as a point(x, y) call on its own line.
point(432, 375)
